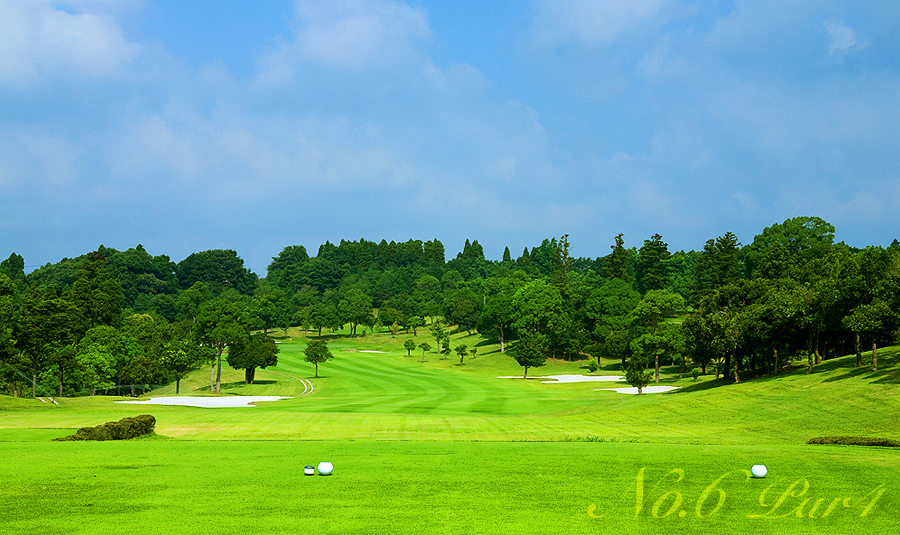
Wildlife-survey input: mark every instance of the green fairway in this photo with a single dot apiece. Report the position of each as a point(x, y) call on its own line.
point(157, 486)
point(436, 447)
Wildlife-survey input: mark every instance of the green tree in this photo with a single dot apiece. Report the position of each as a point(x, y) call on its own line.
point(97, 292)
point(322, 315)
point(607, 307)
point(409, 345)
point(461, 350)
point(424, 346)
point(651, 265)
point(414, 322)
point(354, 307)
point(619, 264)
point(438, 332)
point(463, 307)
point(636, 373)
point(873, 321)
point(183, 356)
point(789, 250)
point(268, 311)
point(427, 297)
point(284, 271)
point(46, 325)
point(189, 301)
point(98, 367)
point(219, 269)
point(649, 313)
point(530, 351)
point(317, 353)
point(13, 267)
point(497, 314)
point(220, 324)
point(254, 351)
point(109, 358)
point(719, 264)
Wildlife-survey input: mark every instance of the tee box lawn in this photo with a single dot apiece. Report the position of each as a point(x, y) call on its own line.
point(435, 447)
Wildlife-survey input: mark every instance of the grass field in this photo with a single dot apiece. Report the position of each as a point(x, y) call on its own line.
point(436, 447)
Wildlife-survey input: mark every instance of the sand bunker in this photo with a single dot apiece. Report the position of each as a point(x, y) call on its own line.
point(596, 378)
point(371, 351)
point(207, 402)
point(647, 389)
point(572, 378)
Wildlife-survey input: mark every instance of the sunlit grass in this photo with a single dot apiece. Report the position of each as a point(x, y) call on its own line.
point(436, 447)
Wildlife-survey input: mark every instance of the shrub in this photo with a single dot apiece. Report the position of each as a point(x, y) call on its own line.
point(593, 366)
point(696, 373)
point(856, 441)
point(124, 429)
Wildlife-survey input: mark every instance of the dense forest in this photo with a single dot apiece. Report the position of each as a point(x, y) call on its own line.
point(117, 322)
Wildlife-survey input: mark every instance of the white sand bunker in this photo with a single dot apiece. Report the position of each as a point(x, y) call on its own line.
point(647, 389)
point(371, 351)
point(207, 402)
point(572, 378)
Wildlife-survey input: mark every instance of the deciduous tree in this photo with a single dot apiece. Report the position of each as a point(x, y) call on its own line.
point(254, 351)
point(220, 323)
point(317, 353)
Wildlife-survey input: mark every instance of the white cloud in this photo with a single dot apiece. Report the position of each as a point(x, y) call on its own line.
point(591, 22)
point(358, 33)
point(39, 41)
point(843, 38)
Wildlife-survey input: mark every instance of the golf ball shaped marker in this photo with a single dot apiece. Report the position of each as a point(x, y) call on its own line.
point(325, 468)
point(759, 470)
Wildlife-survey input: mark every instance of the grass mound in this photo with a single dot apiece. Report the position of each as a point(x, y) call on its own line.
point(855, 441)
point(124, 429)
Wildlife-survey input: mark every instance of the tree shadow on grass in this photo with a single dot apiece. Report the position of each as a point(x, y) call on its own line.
point(888, 371)
point(236, 385)
point(701, 386)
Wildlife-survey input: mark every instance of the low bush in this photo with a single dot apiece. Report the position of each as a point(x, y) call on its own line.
point(124, 429)
point(696, 373)
point(855, 441)
point(593, 366)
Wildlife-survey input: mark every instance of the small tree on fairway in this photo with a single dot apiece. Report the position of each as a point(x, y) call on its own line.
point(438, 332)
point(414, 322)
point(461, 350)
point(473, 352)
point(424, 346)
point(409, 345)
point(445, 347)
point(184, 356)
point(530, 351)
point(317, 351)
point(636, 374)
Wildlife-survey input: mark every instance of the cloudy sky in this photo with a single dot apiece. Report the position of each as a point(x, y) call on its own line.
point(188, 126)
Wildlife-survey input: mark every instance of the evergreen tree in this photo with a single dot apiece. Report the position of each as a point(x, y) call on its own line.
point(651, 265)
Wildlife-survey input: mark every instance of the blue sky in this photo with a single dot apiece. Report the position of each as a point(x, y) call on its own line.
point(188, 126)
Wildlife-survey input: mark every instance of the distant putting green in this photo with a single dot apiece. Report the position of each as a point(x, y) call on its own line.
point(435, 447)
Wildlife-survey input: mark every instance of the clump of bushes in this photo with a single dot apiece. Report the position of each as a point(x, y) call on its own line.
point(855, 441)
point(124, 429)
point(696, 373)
point(593, 366)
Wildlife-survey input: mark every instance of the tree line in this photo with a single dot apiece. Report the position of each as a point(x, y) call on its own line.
point(112, 318)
